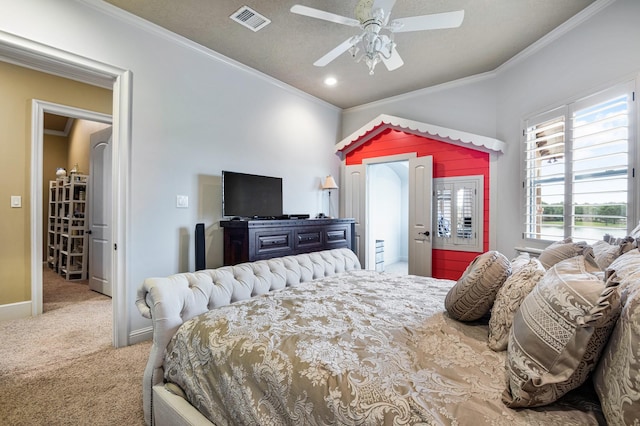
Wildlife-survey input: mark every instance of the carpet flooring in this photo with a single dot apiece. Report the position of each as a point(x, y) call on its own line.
point(61, 369)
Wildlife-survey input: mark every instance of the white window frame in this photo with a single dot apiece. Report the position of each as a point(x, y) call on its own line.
point(473, 242)
point(567, 110)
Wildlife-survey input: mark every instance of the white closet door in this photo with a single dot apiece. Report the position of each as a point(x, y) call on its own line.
point(100, 213)
point(420, 213)
point(355, 197)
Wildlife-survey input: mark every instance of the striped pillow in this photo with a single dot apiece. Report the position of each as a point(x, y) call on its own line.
point(474, 293)
point(559, 332)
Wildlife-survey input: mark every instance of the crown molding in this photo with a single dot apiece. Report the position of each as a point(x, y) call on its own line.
point(576, 20)
point(554, 35)
point(156, 30)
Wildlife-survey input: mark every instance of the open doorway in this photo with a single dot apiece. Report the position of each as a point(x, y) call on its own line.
point(39, 57)
point(388, 189)
point(69, 177)
point(64, 141)
point(357, 204)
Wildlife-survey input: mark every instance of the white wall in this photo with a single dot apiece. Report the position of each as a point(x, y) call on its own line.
point(591, 52)
point(388, 211)
point(193, 115)
point(594, 55)
point(467, 105)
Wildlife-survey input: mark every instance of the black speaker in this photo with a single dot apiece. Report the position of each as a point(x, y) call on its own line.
point(200, 250)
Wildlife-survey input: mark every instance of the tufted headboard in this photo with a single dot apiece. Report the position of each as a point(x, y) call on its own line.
point(170, 301)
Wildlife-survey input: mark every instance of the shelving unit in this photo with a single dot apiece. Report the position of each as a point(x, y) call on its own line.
point(53, 222)
point(67, 230)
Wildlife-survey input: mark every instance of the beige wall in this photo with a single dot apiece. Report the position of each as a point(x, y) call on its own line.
point(65, 151)
point(19, 86)
point(79, 138)
point(55, 152)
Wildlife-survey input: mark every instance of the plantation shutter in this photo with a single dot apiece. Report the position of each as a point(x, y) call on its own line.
point(600, 165)
point(578, 168)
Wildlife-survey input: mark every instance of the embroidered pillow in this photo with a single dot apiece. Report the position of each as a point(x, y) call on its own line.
point(508, 300)
point(519, 262)
point(561, 250)
point(605, 253)
point(626, 265)
point(559, 332)
point(474, 293)
point(617, 376)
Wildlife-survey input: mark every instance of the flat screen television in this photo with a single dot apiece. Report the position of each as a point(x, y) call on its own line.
point(247, 196)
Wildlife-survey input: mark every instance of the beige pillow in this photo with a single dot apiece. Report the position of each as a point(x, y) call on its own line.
point(508, 300)
point(617, 376)
point(605, 253)
point(519, 262)
point(473, 295)
point(626, 264)
point(558, 333)
point(561, 250)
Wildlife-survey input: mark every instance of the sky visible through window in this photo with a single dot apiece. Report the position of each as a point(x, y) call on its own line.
point(599, 162)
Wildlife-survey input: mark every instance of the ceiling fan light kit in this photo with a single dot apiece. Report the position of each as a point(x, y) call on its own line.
point(371, 46)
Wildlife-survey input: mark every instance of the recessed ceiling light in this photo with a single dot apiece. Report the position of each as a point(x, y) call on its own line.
point(330, 81)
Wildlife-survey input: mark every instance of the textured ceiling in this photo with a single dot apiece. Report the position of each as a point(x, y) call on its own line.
point(493, 31)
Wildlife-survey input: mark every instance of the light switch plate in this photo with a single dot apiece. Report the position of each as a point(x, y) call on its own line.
point(16, 201)
point(182, 201)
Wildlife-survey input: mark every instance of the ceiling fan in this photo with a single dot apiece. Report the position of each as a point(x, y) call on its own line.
point(372, 16)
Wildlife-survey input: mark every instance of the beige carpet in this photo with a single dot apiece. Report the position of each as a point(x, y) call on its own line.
point(60, 368)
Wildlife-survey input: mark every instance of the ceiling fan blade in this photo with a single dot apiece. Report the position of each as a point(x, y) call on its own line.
point(435, 21)
point(394, 62)
point(321, 14)
point(337, 51)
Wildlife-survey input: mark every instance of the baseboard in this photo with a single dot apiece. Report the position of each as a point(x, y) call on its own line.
point(140, 335)
point(13, 311)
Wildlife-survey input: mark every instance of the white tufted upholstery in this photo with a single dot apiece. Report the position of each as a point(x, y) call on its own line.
point(170, 301)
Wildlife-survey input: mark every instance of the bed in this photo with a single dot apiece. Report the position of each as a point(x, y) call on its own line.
point(314, 339)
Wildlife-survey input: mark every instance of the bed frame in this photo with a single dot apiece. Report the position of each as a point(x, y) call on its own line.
point(171, 301)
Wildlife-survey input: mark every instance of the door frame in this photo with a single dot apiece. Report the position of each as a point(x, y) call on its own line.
point(27, 53)
point(37, 145)
point(366, 235)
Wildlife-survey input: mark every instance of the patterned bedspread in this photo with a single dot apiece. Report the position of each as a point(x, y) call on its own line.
point(360, 348)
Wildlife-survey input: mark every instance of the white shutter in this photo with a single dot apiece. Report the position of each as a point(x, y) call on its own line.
point(579, 167)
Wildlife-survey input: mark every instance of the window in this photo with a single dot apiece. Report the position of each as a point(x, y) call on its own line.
point(458, 206)
point(578, 168)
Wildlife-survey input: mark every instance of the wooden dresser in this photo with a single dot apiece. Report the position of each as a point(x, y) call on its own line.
point(249, 240)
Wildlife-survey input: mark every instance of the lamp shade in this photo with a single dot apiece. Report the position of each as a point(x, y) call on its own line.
point(329, 183)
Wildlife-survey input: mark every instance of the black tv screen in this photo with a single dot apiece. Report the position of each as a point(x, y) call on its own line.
point(245, 195)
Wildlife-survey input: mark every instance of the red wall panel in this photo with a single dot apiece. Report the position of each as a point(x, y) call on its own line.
point(449, 160)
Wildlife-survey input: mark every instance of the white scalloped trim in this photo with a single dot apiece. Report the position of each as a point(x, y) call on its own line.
point(384, 121)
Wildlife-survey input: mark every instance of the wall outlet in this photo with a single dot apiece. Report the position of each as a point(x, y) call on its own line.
point(16, 201)
point(182, 201)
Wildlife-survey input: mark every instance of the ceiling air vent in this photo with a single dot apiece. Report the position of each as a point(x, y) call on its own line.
point(250, 18)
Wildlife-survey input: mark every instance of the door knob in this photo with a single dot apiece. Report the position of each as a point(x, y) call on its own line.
point(425, 233)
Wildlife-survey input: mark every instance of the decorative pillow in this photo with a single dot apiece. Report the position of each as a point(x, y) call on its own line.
point(561, 250)
point(508, 300)
point(605, 253)
point(617, 377)
point(558, 333)
point(472, 296)
point(519, 262)
point(626, 264)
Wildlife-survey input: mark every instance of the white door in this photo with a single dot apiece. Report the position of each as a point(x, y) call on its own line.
point(355, 202)
point(99, 198)
point(420, 196)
